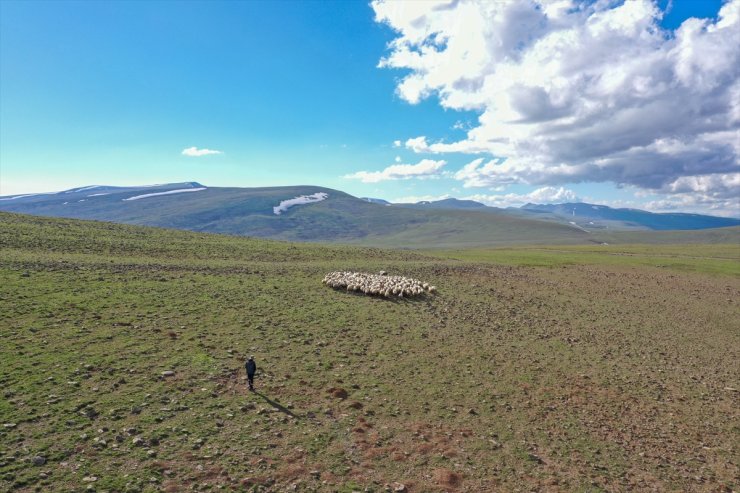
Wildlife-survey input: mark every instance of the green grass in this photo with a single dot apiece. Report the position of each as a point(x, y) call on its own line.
point(522, 373)
point(722, 259)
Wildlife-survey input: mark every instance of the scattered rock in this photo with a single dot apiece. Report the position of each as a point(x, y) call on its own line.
point(399, 488)
point(9, 425)
point(447, 479)
point(168, 373)
point(536, 458)
point(338, 392)
point(138, 441)
point(90, 413)
point(38, 460)
point(89, 479)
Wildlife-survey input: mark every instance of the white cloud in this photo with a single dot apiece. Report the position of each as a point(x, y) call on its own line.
point(398, 159)
point(195, 152)
point(424, 169)
point(544, 195)
point(573, 92)
point(396, 143)
point(413, 199)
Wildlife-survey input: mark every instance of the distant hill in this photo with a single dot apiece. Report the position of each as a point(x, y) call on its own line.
point(376, 201)
point(318, 214)
point(298, 213)
point(592, 216)
point(450, 203)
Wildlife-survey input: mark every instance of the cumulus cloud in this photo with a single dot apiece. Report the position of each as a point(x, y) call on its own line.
point(195, 152)
point(424, 169)
point(713, 194)
point(413, 199)
point(543, 195)
point(572, 92)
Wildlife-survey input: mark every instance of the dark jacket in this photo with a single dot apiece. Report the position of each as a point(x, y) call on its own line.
point(251, 367)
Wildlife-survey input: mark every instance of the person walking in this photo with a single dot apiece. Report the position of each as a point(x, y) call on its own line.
point(251, 367)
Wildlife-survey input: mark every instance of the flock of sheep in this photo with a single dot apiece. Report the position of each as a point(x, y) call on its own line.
point(379, 284)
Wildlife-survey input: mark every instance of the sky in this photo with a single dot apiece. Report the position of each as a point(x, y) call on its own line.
point(626, 103)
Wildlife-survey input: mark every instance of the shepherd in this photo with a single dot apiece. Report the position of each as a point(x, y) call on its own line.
point(251, 367)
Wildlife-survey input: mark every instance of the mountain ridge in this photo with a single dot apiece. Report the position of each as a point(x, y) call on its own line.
point(319, 214)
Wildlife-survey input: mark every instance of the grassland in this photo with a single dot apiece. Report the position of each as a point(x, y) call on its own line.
point(567, 369)
point(719, 258)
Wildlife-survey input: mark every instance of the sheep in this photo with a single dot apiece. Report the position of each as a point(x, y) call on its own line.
point(377, 284)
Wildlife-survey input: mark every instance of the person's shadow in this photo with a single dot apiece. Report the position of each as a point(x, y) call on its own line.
point(277, 405)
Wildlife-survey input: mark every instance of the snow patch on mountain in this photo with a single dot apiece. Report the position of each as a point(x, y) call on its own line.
point(303, 199)
point(169, 192)
point(27, 195)
point(83, 189)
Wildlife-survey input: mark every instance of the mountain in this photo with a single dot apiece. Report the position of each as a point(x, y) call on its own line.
point(450, 203)
point(592, 216)
point(318, 214)
point(376, 201)
point(299, 213)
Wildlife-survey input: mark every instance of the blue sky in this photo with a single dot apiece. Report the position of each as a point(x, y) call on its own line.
point(288, 93)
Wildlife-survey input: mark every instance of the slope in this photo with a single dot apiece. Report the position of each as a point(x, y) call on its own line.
point(592, 216)
point(338, 217)
point(511, 378)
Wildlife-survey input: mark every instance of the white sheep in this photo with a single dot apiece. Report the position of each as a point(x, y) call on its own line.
point(377, 284)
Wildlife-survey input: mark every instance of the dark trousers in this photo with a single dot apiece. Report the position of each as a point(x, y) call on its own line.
point(251, 381)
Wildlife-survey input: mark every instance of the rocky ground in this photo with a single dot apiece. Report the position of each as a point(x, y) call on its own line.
point(122, 370)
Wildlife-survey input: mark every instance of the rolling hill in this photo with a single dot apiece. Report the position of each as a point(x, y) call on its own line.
point(318, 214)
point(330, 216)
point(592, 216)
point(450, 203)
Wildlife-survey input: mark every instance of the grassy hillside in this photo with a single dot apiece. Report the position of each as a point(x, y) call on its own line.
point(558, 376)
point(722, 259)
point(340, 218)
point(462, 228)
point(599, 216)
point(730, 236)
